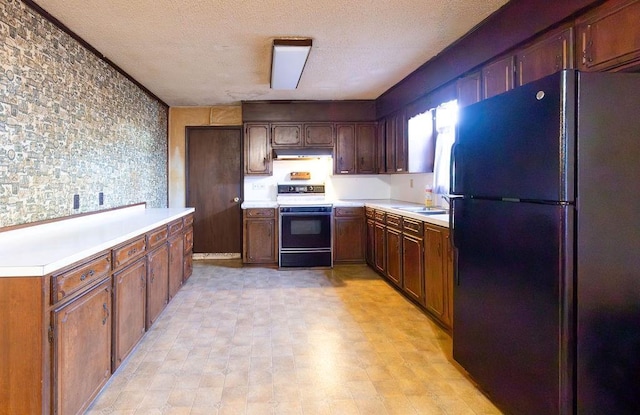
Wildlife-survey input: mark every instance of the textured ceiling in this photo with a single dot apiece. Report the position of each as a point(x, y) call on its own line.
point(217, 52)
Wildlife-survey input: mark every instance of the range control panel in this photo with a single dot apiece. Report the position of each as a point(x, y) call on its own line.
point(300, 189)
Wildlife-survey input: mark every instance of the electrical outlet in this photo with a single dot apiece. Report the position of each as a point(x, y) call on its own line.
point(76, 202)
point(257, 186)
point(100, 198)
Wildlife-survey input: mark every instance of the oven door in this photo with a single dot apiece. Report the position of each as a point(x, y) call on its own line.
point(305, 230)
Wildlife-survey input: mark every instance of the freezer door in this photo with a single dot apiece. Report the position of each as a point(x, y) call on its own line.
point(519, 144)
point(512, 302)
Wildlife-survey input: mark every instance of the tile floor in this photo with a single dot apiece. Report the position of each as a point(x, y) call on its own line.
point(240, 340)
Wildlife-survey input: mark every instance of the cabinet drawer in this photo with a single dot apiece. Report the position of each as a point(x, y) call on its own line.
point(369, 212)
point(126, 253)
point(188, 220)
point(260, 213)
point(412, 227)
point(156, 237)
point(394, 221)
point(64, 285)
point(175, 227)
point(188, 240)
point(380, 216)
point(348, 211)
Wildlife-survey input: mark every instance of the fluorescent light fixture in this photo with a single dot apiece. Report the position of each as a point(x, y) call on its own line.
point(287, 62)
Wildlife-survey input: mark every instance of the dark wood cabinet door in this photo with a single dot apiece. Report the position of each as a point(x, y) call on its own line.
point(187, 268)
point(176, 264)
point(390, 143)
point(286, 135)
point(549, 55)
point(412, 267)
point(82, 346)
point(380, 254)
point(349, 239)
point(435, 285)
point(157, 283)
point(401, 144)
point(366, 140)
point(257, 149)
point(345, 158)
point(371, 243)
point(381, 146)
point(260, 242)
point(129, 309)
point(497, 77)
point(319, 135)
point(469, 89)
point(394, 256)
point(608, 37)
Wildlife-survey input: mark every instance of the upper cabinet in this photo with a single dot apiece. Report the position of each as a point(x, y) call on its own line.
point(608, 37)
point(396, 143)
point(289, 135)
point(356, 145)
point(319, 134)
point(551, 54)
point(286, 135)
point(257, 149)
point(497, 77)
point(469, 89)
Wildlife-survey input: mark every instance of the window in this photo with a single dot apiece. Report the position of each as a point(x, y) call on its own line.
point(446, 118)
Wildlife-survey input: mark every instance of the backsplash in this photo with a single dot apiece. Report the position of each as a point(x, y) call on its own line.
point(71, 124)
point(406, 187)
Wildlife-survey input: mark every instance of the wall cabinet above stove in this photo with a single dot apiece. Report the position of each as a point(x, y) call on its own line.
point(295, 135)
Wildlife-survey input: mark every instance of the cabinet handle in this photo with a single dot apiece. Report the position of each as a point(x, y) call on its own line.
point(132, 251)
point(106, 313)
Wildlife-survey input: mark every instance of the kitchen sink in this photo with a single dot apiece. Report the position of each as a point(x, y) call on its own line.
point(424, 210)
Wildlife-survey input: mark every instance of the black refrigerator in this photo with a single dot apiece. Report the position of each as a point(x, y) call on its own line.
point(546, 226)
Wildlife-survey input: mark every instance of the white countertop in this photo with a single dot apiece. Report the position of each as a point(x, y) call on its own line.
point(42, 249)
point(388, 205)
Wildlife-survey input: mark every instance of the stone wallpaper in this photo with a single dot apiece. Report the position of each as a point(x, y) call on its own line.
point(71, 124)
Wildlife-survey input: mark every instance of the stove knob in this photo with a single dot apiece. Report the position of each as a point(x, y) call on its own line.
point(291, 188)
point(310, 188)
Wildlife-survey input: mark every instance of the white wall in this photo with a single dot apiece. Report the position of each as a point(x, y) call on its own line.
point(406, 187)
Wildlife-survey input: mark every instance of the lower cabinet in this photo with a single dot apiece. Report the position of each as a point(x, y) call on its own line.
point(412, 260)
point(157, 283)
point(129, 297)
point(176, 264)
point(394, 251)
point(260, 236)
point(187, 266)
point(82, 349)
point(349, 235)
point(415, 256)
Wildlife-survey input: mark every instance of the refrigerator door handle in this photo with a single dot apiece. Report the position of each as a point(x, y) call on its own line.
point(452, 164)
point(452, 233)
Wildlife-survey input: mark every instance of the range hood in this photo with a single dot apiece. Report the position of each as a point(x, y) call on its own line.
point(304, 153)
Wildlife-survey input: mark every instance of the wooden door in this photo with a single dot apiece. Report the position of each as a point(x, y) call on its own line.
point(214, 188)
point(609, 36)
point(497, 77)
point(345, 149)
point(176, 264)
point(469, 89)
point(286, 135)
point(371, 242)
point(82, 349)
point(547, 56)
point(435, 286)
point(412, 269)
point(366, 148)
point(129, 309)
point(380, 254)
point(260, 241)
point(394, 256)
point(318, 135)
point(257, 150)
point(157, 283)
